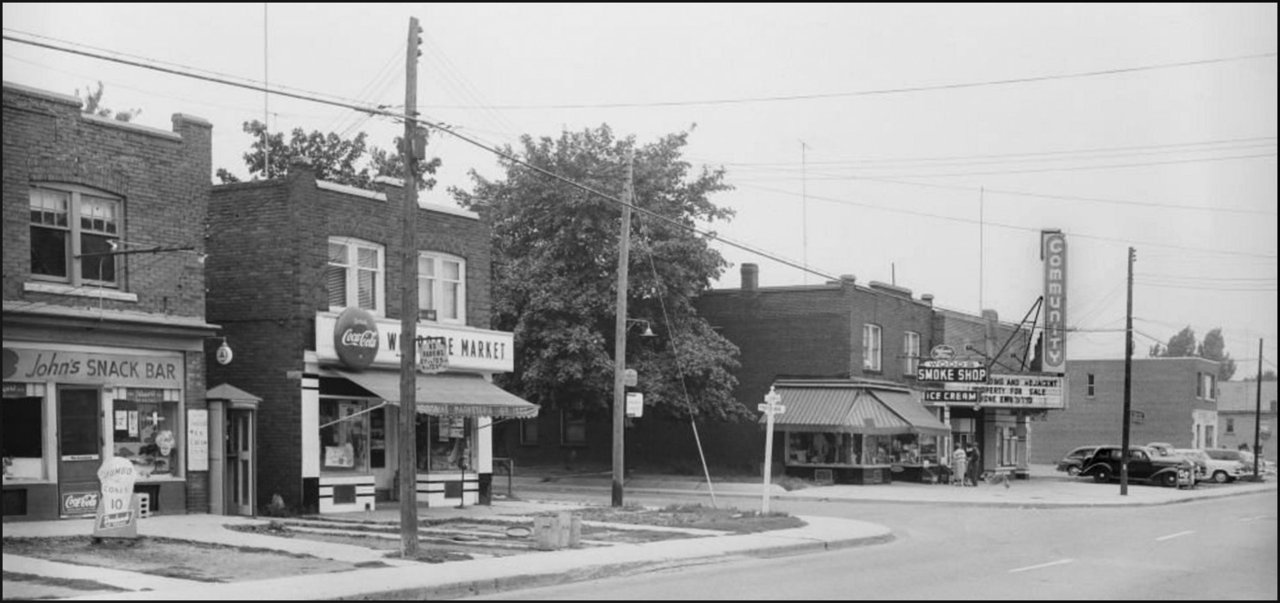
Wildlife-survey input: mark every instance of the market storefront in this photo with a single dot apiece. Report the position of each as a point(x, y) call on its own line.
point(854, 432)
point(351, 414)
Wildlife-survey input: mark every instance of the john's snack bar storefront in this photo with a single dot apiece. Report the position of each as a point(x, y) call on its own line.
point(67, 408)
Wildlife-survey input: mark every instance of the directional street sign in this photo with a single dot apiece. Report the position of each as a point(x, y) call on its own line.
point(774, 409)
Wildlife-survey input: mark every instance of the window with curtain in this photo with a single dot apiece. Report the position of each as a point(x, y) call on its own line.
point(354, 276)
point(910, 352)
point(442, 288)
point(870, 347)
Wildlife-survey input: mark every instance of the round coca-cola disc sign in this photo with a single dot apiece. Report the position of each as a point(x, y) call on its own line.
point(355, 338)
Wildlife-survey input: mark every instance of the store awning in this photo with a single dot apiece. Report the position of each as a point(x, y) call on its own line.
point(853, 409)
point(444, 395)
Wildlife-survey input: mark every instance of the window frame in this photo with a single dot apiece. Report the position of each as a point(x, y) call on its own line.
point(528, 429)
point(910, 352)
point(75, 231)
point(436, 283)
point(576, 419)
point(1091, 385)
point(352, 269)
point(871, 353)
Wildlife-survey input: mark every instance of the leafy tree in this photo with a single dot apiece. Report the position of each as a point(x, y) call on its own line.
point(1267, 375)
point(93, 105)
point(345, 161)
point(555, 273)
point(1183, 344)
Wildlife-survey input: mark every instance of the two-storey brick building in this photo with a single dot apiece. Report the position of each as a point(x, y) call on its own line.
point(1246, 413)
point(104, 306)
point(305, 275)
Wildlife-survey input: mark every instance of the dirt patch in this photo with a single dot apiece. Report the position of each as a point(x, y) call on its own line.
point(695, 516)
point(173, 558)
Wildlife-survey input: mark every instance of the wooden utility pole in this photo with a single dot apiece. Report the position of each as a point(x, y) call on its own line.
point(1128, 380)
point(1257, 418)
point(407, 444)
point(620, 341)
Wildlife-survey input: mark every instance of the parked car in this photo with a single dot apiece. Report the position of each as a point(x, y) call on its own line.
point(1197, 456)
point(1226, 465)
point(1070, 464)
point(1265, 467)
point(1145, 464)
point(1161, 448)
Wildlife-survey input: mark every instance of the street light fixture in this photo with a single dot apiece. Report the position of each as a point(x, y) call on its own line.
point(648, 331)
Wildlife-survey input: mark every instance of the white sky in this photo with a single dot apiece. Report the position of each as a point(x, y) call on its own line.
point(810, 172)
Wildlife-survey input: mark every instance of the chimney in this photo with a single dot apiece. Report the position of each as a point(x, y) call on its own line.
point(750, 277)
point(927, 298)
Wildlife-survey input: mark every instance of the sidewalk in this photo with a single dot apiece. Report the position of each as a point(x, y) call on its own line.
point(406, 579)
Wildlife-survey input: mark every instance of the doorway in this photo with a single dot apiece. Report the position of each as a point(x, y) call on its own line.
point(79, 450)
point(240, 488)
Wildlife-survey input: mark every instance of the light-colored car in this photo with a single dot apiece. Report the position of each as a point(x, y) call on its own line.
point(1227, 465)
point(1265, 467)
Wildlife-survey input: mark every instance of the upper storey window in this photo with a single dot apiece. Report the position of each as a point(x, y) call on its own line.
point(355, 275)
point(71, 231)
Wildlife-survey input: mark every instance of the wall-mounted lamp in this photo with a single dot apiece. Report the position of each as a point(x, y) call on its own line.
point(224, 354)
point(648, 331)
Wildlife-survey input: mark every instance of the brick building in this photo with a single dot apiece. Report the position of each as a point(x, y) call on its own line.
point(306, 276)
point(104, 306)
point(840, 354)
point(1238, 414)
point(1172, 400)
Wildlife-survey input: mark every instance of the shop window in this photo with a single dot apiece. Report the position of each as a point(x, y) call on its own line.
point(23, 437)
point(910, 353)
point(71, 221)
point(1231, 425)
point(378, 438)
point(1091, 386)
point(819, 448)
point(442, 288)
point(344, 436)
point(870, 347)
point(145, 430)
point(354, 276)
point(444, 443)
point(529, 432)
point(573, 428)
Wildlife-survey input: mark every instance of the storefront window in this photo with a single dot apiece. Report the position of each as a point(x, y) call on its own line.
point(444, 443)
point(344, 436)
point(146, 431)
point(23, 438)
point(819, 448)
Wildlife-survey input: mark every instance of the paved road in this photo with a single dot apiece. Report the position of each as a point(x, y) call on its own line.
point(1205, 550)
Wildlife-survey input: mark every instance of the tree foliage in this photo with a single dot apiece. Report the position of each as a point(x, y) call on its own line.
point(93, 105)
point(555, 273)
point(336, 159)
point(1183, 344)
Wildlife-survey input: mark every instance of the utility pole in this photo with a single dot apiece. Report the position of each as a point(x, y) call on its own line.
point(1128, 380)
point(804, 209)
point(620, 340)
point(409, 304)
point(1257, 418)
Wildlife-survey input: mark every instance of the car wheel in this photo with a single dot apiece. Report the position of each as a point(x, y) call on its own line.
point(1073, 471)
point(1102, 476)
point(1220, 477)
point(1169, 480)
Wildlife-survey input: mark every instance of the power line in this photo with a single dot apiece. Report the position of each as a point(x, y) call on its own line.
point(1008, 226)
point(903, 90)
point(442, 128)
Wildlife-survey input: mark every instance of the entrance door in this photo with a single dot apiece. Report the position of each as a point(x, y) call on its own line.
point(79, 450)
point(240, 465)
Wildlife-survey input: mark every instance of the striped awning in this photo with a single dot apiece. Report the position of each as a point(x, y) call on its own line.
point(445, 394)
point(845, 407)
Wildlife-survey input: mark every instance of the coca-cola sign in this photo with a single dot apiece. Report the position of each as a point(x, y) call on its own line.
point(79, 503)
point(355, 338)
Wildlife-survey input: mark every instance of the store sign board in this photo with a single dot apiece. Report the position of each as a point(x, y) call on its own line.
point(951, 371)
point(355, 338)
point(75, 366)
point(1054, 252)
point(197, 439)
point(115, 516)
point(1035, 391)
point(468, 349)
point(635, 404)
point(966, 396)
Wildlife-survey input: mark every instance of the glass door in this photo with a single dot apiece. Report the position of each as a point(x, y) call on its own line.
point(79, 450)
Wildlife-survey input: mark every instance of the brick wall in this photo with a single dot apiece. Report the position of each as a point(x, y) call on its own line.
point(1162, 389)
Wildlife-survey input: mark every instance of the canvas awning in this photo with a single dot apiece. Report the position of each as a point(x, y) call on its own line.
point(843, 407)
point(445, 394)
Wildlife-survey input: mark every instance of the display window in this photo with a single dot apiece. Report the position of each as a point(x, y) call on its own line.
point(344, 436)
point(444, 443)
point(145, 430)
point(23, 426)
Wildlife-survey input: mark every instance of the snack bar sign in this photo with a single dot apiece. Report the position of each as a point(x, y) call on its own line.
point(74, 366)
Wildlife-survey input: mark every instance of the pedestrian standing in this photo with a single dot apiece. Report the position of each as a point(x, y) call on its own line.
point(973, 462)
point(958, 459)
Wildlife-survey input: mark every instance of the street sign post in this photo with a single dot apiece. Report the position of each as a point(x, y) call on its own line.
point(772, 406)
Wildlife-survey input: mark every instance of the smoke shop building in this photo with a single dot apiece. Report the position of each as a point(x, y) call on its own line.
point(308, 283)
point(104, 307)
